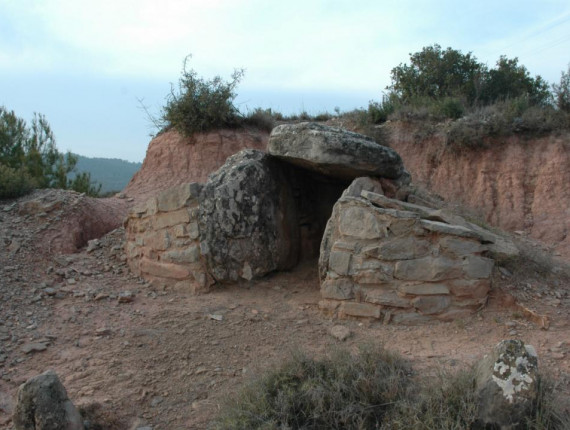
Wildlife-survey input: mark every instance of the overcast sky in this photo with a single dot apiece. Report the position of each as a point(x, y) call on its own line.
point(85, 64)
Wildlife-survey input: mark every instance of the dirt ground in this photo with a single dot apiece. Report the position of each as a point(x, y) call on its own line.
point(138, 356)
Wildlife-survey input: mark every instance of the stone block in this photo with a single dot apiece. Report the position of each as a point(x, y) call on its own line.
point(193, 230)
point(180, 230)
point(360, 262)
point(164, 270)
point(428, 269)
point(476, 267)
point(339, 289)
point(181, 256)
point(423, 289)
point(458, 247)
point(403, 248)
point(178, 197)
point(339, 262)
point(402, 226)
point(363, 183)
point(364, 310)
point(454, 230)
point(373, 277)
point(132, 250)
point(158, 241)
point(431, 305)
point(170, 219)
point(476, 289)
point(386, 297)
point(361, 222)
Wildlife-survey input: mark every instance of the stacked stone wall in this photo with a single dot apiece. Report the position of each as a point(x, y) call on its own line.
point(163, 240)
point(398, 265)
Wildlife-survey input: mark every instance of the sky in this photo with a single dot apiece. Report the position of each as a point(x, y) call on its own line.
point(91, 66)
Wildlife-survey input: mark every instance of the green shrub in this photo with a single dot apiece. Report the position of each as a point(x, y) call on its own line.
point(444, 402)
point(199, 105)
point(478, 128)
point(378, 112)
point(14, 182)
point(373, 389)
point(263, 119)
point(322, 117)
point(451, 108)
point(342, 391)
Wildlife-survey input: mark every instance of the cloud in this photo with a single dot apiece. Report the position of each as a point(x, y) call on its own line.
point(323, 44)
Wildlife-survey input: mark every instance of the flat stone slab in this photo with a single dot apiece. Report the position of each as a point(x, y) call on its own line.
point(333, 151)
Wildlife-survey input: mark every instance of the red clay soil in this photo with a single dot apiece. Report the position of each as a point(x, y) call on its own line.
point(65, 221)
point(516, 184)
point(172, 159)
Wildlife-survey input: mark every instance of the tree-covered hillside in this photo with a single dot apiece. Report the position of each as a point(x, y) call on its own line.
point(113, 174)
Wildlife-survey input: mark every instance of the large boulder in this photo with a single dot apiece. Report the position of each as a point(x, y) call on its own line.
point(247, 218)
point(333, 151)
point(507, 386)
point(43, 405)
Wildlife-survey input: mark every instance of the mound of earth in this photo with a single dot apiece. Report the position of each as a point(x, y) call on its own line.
point(172, 159)
point(59, 221)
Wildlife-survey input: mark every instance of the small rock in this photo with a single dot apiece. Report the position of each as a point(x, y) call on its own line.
point(216, 317)
point(505, 272)
point(340, 332)
point(92, 245)
point(101, 296)
point(34, 347)
point(50, 292)
point(103, 331)
point(156, 401)
point(126, 297)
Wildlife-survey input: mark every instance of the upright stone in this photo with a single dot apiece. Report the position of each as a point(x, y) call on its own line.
point(247, 219)
point(43, 405)
point(507, 386)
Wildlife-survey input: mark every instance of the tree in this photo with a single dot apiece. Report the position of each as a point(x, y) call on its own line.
point(438, 73)
point(30, 158)
point(562, 92)
point(509, 80)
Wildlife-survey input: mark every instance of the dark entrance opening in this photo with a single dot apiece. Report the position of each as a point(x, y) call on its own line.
point(314, 195)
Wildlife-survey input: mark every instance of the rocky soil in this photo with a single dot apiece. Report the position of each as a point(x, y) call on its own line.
point(136, 357)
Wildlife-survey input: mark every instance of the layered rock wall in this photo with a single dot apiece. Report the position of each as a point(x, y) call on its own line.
point(163, 240)
point(515, 183)
point(402, 264)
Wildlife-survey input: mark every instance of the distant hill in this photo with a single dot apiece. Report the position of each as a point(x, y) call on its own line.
point(113, 174)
